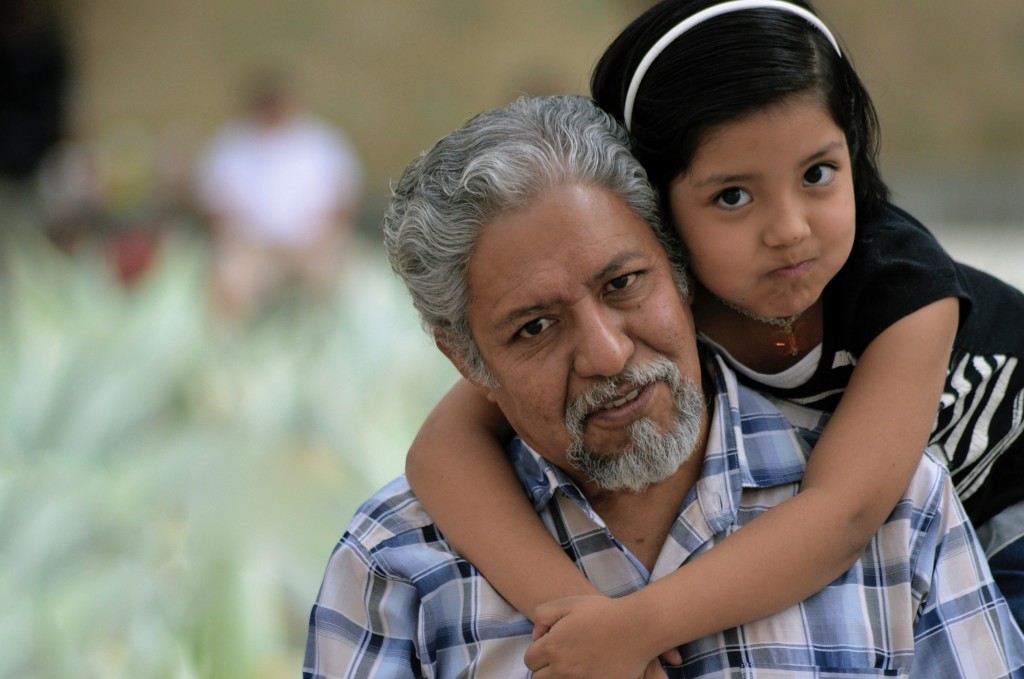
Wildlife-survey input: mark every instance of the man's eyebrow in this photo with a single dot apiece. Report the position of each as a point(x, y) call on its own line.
point(623, 261)
point(619, 263)
point(516, 315)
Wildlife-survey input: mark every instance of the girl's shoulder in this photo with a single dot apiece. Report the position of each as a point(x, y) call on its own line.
point(897, 234)
point(896, 267)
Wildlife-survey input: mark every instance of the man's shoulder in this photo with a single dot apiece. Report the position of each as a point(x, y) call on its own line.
point(779, 435)
point(392, 515)
point(757, 415)
point(932, 486)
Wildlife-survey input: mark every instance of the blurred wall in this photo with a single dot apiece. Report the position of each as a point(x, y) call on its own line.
point(947, 78)
point(396, 74)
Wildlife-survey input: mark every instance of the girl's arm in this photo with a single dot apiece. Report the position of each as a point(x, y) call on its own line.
point(860, 468)
point(458, 469)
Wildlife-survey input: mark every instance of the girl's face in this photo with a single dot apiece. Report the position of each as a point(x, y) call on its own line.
point(766, 210)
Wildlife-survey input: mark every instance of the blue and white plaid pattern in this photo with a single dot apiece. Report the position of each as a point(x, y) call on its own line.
point(396, 601)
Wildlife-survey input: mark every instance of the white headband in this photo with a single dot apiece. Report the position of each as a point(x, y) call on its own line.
point(699, 18)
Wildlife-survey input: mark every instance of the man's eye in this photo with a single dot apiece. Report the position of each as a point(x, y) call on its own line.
point(534, 328)
point(732, 198)
point(819, 175)
point(622, 282)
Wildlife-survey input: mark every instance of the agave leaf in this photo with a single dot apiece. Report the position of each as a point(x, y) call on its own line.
point(170, 487)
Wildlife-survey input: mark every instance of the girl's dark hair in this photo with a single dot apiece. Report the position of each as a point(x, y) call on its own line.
point(726, 68)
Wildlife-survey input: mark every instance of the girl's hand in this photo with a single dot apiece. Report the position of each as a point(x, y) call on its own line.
point(587, 637)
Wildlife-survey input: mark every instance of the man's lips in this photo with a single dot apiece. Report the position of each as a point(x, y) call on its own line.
point(624, 409)
point(621, 401)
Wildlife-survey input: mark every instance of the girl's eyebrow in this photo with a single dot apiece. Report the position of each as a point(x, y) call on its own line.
point(737, 178)
point(829, 148)
point(719, 179)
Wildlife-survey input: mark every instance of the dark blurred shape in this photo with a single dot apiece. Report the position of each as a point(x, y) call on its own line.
point(34, 78)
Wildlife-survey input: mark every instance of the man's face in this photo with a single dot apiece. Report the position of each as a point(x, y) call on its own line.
point(575, 296)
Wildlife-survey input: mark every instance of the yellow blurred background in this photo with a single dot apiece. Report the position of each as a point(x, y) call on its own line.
point(397, 74)
point(169, 489)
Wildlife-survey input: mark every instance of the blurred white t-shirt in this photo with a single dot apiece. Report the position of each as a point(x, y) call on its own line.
point(282, 185)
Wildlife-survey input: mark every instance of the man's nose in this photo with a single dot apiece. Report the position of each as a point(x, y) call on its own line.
point(603, 346)
point(787, 225)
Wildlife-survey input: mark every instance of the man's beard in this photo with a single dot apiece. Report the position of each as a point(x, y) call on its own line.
point(652, 455)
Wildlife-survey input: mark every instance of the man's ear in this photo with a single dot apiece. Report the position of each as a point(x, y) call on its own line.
point(443, 345)
point(690, 287)
point(459, 361)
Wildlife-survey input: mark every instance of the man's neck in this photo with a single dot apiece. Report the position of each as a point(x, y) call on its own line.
point(642, 521)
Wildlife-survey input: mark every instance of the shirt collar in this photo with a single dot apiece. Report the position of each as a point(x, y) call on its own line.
point(750, 444)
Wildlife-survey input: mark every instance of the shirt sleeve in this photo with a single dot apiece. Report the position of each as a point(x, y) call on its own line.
point(964, 627)
point(364, 622)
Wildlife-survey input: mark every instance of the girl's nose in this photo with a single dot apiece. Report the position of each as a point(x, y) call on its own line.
point(787, 226)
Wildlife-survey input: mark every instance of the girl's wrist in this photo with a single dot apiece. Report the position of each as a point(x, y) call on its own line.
point(650, 620)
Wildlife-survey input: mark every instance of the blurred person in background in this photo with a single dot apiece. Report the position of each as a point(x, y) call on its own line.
point(280, 191)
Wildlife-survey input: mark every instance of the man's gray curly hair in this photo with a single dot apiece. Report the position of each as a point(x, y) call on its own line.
point(502, 160)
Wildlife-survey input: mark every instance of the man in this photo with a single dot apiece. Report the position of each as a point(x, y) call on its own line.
point(530, 242)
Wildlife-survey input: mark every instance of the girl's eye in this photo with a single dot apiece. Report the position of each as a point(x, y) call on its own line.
point(732, 199)
point(819, 175)
point(622, 282)
point(534, 328)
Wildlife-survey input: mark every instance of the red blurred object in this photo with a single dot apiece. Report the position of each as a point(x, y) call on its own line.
point(132, 253)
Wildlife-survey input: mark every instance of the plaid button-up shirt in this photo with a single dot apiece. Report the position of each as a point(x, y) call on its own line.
point(397, 601)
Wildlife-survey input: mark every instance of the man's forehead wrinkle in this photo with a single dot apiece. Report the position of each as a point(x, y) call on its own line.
point(559, 298)
point(552, 296)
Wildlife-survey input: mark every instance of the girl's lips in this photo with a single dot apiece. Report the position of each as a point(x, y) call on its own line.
point(794, 271)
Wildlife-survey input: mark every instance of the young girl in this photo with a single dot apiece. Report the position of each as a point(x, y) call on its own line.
point(762, 141)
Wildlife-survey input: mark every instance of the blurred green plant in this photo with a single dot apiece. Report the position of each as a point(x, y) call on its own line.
point(170, 488)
